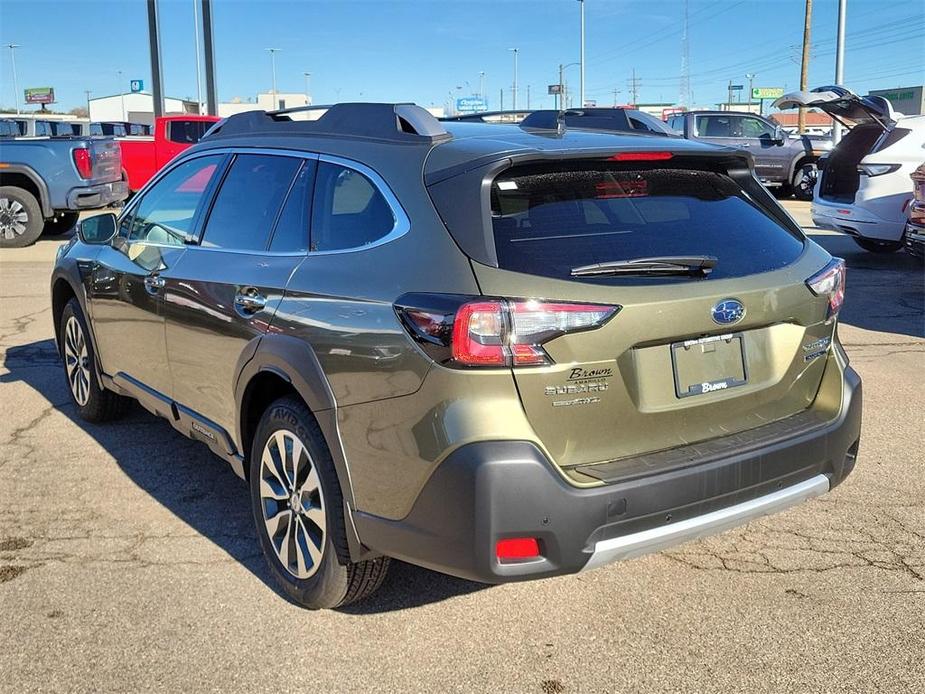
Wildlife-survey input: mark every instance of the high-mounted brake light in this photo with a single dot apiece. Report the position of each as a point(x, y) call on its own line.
point(83, 162)
point(641, 156)
point(830, 282)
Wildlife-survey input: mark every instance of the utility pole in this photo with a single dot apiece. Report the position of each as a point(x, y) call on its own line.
point(482, 84)
point(581, 58)
point(502, 100)
point(634, 87)
point(308, 91)
point(121, 92)
point(729, 96)
point(88, 93)
point(839, 61)
point(273, 52)
point(684, 96)
point(13, 47)
point(514, 85)
point(198, 65)
point(804, 65)
point(528, 97)
point(208, 51)
point(154, 51)
point(750, 77)
point(560, 102)
point(615, 92)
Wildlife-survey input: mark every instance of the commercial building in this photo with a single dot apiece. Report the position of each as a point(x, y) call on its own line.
point(909, 101)
point(265, 102)
point(136, 107)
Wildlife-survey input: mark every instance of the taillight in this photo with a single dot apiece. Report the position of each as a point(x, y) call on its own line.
point(876, 169)
point(496, 332)
point(83, 162)
point(830, 282)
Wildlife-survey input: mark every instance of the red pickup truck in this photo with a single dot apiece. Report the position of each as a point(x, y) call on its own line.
point(144, 155)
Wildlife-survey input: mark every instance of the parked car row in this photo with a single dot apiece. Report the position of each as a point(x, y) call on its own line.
point(38, 127)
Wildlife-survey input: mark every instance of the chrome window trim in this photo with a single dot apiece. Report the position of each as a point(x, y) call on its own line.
point(401, 226)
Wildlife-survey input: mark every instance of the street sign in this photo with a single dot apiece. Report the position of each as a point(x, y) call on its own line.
point(767, 92)
point(40, 95)
point(737, 87)
point(554, 89)
point(471, 104)
point(137, 85)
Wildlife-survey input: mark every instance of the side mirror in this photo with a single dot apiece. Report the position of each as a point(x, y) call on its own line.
point(780, 136)
point(98, 229)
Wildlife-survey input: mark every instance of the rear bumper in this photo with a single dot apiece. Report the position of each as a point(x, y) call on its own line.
point(855, 220)
point(487, 491)
point(100, 195)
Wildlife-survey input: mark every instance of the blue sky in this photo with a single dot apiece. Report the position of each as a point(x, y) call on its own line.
point(422, 50)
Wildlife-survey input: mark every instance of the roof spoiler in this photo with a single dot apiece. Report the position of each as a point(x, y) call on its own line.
point(400, 122)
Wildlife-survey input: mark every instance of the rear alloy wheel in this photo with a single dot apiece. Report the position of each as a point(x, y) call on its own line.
point(874, 246)
point(299, 512)
point(61, 223)
point(20, 218)
point(804, 180)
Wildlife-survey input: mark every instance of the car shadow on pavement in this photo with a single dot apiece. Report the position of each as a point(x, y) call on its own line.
point(886, 291)
point(200, 489)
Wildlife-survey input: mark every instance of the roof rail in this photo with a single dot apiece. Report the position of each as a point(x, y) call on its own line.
point(401, 122)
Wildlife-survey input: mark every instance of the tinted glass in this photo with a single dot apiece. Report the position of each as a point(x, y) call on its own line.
point(291, 234)
point(96, 129)
point(755, 127)
point(165, 214)
point(348, 211)
point(714, 126)
point(246, 205)
point(187, 131)
point(41, 128)
point(63, 129)
point(8, 128)
point(547, 220)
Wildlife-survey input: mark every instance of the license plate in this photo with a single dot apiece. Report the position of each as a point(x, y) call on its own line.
point(708, 365)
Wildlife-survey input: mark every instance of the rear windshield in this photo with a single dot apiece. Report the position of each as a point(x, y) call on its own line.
point(547, 221)
point(187, 131)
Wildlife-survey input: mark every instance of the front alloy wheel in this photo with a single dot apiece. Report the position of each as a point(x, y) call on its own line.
point(293, 504)
point(77, 361)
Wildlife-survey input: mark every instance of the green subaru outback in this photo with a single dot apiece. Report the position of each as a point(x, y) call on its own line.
point(501, 352)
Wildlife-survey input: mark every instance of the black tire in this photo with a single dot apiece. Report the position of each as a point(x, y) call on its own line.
point(20, 218)
point(61, 223)
point(93, 401)
point(877, 246)
point(804, 181)
point(334, 580)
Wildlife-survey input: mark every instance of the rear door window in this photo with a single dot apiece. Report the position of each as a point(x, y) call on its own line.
point(187, 131)
point(714, 126)
point(248, 202)
point(548, 220)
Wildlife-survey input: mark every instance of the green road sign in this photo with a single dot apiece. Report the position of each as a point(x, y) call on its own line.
point(767, 92)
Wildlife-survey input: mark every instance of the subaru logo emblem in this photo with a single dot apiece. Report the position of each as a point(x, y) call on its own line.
point(728, 311)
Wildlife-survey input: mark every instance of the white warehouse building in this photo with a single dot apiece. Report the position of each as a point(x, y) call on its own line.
point(135, 107)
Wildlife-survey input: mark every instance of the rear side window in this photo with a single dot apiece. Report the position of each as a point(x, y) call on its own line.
point(187, 131)
point(714, 126)
point(547, 220)
point(248, 201)
point(348, 211)
point(291, 234)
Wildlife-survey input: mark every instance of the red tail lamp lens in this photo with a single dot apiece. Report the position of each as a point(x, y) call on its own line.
point(517, 548)
point(83, 163)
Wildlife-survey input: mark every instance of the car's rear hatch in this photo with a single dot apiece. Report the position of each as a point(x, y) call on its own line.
point(687, 357)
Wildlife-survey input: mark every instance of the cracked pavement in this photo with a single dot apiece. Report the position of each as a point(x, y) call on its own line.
point(128, 559)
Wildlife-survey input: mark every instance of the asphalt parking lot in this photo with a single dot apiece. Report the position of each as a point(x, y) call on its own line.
point(128, 559)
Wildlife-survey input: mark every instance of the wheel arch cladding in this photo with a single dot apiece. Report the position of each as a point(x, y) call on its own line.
point(61, 292)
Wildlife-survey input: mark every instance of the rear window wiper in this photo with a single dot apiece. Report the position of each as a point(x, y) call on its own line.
point(695, 265)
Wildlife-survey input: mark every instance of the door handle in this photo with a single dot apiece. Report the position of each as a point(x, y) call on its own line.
point(153, 283)
point(249, 301)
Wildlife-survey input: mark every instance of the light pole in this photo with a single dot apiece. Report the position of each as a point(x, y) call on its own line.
point(482, 85)
point(750, 77)
point(514, 85)
point(562, 102)
point(88, 93)
point(272, 52)
point(308, 81)
point(581, 58)
point(121, 93)
point(198, 66)
point(839, 61)
point(13, 47)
